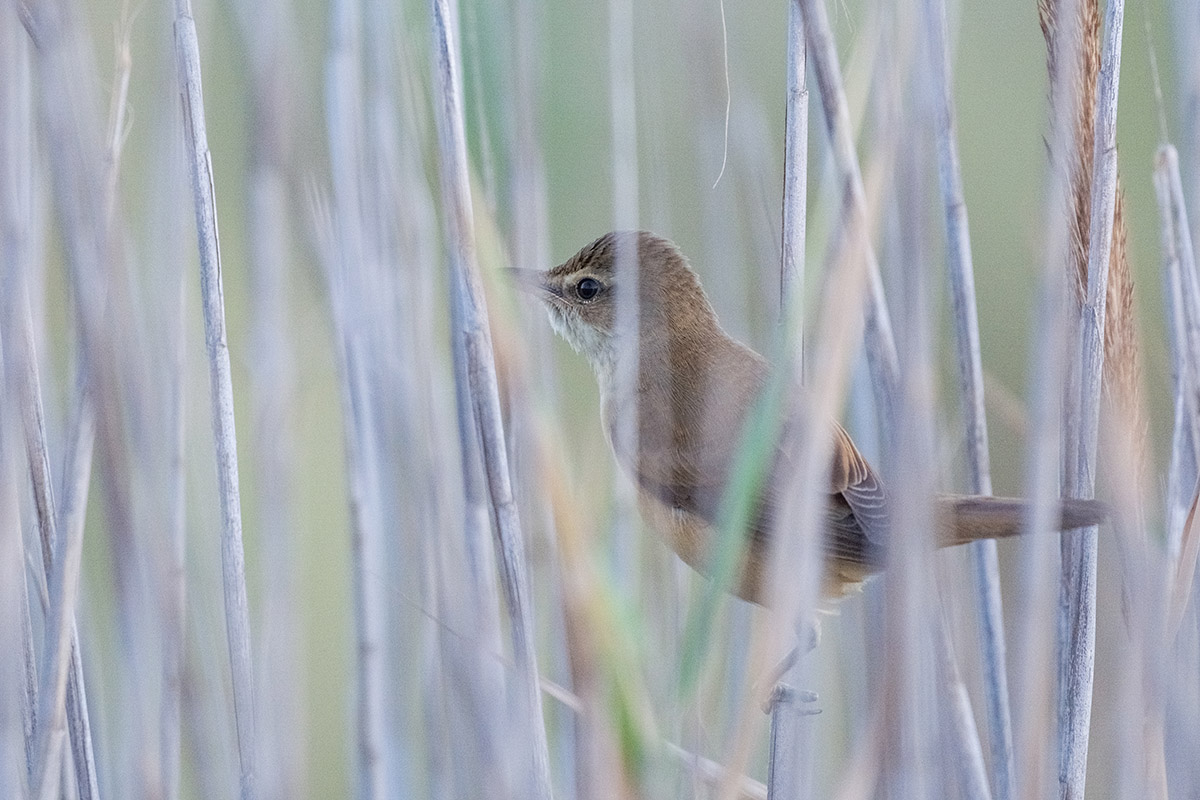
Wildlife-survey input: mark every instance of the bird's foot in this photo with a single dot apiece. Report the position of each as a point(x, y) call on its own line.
point(788, 695)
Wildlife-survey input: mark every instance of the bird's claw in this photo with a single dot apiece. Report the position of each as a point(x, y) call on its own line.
point(791, 696)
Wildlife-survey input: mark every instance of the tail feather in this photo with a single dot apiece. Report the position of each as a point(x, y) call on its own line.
point(967, 518)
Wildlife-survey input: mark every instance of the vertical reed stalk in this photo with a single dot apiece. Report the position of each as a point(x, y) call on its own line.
point(265, 32)
point(174, 584)
point(1185, 21)
point(84, 202)
point(970, 375)
point(791, 733)
point(1182, 295)
point(880, 344)
point(906, 686)
point(13, 739)
point(61, 657)
point(16, 157)
point(1183, 331)
point(1078, 597)
point(349, 278)
point(795, 175)
point(470, 329)
point(237, 612)
point(623, 104)
point(1033, 722)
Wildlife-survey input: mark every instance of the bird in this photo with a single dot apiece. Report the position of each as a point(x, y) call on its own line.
point(695, 387)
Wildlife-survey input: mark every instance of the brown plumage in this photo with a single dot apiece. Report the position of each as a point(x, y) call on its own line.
point(694, 389)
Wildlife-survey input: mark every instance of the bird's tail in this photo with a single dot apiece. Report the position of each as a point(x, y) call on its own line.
point(966, 518)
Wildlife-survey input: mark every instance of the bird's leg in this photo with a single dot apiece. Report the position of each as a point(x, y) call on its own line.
point(807, 635)
point(786, 694)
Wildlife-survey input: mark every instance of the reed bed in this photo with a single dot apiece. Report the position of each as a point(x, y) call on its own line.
point(418, 571)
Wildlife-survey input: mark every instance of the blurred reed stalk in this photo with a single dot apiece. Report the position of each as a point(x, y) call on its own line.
point(83, 183)
point(15, 720)
point(169, 470)
point(473, 350)
point(881, 347)
point(532, 401)
point(923, 672)
point(1179, 734)
point(1077, 601)
point(880, 343)
point(789, 772)
point(351, 302)
point(1148, 573)
point(16, 226)
point(795, 176)
point(850, 278)
point(714, 775)
point(18, 678)
point(237, 612)
point(626, 217)
point(1033, 724)
point(267, 32)
point(18, 668)
point(1182, 294)
point(1185, 22)
point(961, 273)
point(908, 691)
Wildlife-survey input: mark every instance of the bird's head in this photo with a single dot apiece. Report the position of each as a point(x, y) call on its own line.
point(581, 294)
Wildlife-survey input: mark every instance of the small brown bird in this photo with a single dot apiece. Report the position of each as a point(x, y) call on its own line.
point(695, 387)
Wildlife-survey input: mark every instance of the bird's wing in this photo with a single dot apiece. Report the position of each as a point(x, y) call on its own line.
point(858, 516)
point(855, 526)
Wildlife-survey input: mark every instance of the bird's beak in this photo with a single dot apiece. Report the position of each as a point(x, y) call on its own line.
point(528, 280)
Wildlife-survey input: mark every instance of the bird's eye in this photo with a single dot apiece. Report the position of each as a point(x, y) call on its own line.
point(588, 288)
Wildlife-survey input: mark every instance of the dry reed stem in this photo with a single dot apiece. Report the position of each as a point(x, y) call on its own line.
point(237, 612)
point(465, 593)
point(1185, 22)
point(15, 231)
point(839, 331)
point(266, 43)
point(907, 625)
point(1096, 180)
point(712, 774)
point(588, 626)
point(485, 686)
point(880, 344)
point(152, 755)
point(626, 216)
point(18, 675)
point(971, 391)
point(60, 661)
point(1183, 315)
point(352, 297)
point(470, 328)
point(795, 172)
point(84, 200)
point(968, 751)
point(1180, 581)
point(789, 727)
point(881, 349)
point(1032, 725)
point(14, 733)
point(24, 391)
